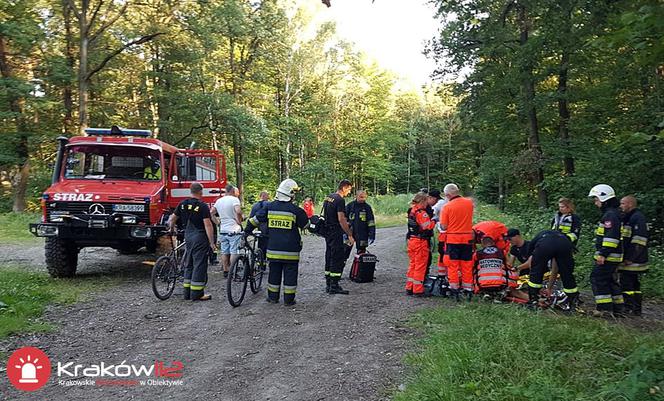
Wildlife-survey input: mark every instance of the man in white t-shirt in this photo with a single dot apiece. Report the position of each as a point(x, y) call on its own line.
point(229, 213)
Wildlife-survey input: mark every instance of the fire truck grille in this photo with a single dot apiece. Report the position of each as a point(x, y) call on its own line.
point(92, 208)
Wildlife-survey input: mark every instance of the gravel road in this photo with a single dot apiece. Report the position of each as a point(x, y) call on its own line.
point(327, 347)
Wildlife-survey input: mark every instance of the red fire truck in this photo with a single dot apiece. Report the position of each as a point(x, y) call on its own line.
point(116, 188)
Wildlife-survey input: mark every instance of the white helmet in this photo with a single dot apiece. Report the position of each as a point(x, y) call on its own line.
point(602, 192)
point(286, 190)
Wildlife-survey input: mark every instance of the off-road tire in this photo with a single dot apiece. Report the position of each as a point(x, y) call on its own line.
point(61, 258)
point(129, 248)
point(151, 245)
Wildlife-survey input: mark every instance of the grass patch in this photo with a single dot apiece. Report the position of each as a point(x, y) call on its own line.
point(386, 220)
point(25, 295)
point(499, 352)
point(15, 227)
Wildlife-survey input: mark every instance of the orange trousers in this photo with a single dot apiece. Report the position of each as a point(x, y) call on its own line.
point(443, 260)
point(418, 252)
point(460, 264)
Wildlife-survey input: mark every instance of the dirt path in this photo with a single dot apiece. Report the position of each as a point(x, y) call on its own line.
point(325, 348)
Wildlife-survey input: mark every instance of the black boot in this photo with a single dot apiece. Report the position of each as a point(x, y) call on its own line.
point(327, 284)
point(335, 288)
point(636, 310)
point(571, 303)
point(533, 297)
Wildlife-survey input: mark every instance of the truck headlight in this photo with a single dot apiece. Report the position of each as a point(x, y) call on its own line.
point(129, 219)
point(141, 232)
point(47, 231)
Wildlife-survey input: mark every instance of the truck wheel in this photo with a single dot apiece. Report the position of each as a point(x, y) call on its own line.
point(61, 258)
point(151, 246)
point(129, 248)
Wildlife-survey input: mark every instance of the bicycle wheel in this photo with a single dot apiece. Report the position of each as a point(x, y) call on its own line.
point(236, 284)
point(164, 277)
point(258, 269)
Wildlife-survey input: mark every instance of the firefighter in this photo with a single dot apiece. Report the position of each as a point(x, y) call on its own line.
point(545, 246)
point(336, 224)
point(420, 231)
point(152, 170)
point(199, 237)
point(361, 220)
point(566, 221)
point(284, 220)
point(635, 263)
point(457, 221)
point(608, 254)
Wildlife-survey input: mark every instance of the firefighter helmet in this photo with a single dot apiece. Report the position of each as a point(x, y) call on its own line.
point(286, 190)
point(602, 192)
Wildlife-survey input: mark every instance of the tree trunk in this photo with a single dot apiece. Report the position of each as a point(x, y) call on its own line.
point(83, 80)
point(563, 114)
point(68, 93)
point(528, 88)
point(237, 159)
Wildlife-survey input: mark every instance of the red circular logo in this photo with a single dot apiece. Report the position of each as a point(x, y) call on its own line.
point(28, 368)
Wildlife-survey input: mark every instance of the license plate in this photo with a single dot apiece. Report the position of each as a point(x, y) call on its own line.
point(128, 208)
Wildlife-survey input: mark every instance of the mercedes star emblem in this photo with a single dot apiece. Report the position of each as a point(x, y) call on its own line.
point(96, 208)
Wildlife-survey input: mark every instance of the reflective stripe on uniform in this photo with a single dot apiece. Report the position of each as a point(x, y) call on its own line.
point(273, 287)
point(371, 223)
point(639, 240)
point(634, 267)
point(612, 257)
point(534, 285)
point(254, 221)
point(197, 287)
point(603, 299)
point(289, 289)
point(617, 299)
point(335, 275)
point(610, 242)
point(572, 237)
point(283, 255)
point(631, 292)
point(280, 215)
point(570, 290)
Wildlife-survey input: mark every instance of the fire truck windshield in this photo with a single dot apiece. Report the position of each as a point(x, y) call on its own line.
point(98, 162)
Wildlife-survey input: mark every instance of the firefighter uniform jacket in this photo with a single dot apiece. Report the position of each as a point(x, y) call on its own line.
point(608, 237)
point(568, 224)
point(361, 221)
point(284, 221)
point(635, 241)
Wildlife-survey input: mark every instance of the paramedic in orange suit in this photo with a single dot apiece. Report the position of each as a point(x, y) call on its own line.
point(420, 231)
point(456, 219)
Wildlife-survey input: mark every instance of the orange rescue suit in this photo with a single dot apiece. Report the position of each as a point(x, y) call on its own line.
point(457, 218)
point(418, 250)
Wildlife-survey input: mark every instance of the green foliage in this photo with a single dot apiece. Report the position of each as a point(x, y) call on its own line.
point(15, 227)
point(502, 352)
point(24, 296)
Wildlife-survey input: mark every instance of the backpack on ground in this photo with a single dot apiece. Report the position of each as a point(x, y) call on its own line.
point(363, 268)
point(436, 286)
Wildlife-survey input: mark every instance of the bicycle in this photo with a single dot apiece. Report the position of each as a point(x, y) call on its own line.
point(249, 267)
point(168, 270)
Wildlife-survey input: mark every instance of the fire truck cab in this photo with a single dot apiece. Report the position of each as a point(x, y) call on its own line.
point(116, 188)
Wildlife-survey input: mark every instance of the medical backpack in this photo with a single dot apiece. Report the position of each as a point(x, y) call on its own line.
point(363, 268)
